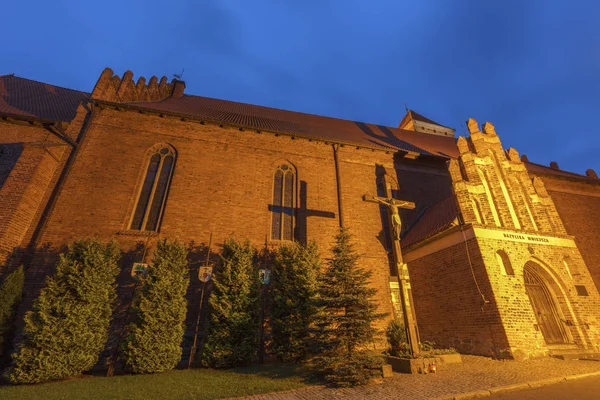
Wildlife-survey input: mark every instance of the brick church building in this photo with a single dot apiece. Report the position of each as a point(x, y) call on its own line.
point(502, 253)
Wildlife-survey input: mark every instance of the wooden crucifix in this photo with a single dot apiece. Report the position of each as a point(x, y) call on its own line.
point(399, 268)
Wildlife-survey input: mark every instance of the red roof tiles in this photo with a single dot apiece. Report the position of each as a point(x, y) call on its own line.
point(434, 219)
point(20, 96)
point(306, 125)
point(413, 115)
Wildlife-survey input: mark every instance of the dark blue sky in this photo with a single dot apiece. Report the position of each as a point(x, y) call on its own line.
point(532, 68)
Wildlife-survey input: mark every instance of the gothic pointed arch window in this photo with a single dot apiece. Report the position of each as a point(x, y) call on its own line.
point(154, 188)
point(504, 262)
point(284, 202)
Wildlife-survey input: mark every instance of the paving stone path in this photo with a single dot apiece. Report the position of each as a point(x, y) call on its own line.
point(476, 373)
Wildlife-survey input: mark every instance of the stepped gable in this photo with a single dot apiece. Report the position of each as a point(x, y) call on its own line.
point(29, 98)
point(306, 125)
point(111, 87)
point(432, 221)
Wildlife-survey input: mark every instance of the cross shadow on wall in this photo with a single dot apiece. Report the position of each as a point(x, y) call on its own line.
point(302, 213)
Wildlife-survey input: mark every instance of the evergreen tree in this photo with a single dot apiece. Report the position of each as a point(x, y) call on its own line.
point(233, 332)
point(344, 324)
point(68, 327)
point(154, 340)
point(293, 289)
point(11, 292)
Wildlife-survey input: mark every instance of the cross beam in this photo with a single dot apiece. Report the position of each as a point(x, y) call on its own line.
point(399, 268)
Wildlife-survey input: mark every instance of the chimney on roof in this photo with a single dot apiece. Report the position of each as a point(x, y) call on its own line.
point(590, 173)
point(178, 88)
point(524, 158)
point(554, 165)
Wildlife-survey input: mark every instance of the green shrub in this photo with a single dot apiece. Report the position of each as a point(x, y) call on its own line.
point(344, 322)
point(233, 332)
point(68, 327)
point(11, 292)
point(154, 341)
point(398, 344)
point(293, 289)
point(397, 341)
point(431, 348)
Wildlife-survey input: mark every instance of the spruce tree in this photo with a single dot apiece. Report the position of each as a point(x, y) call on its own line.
point(154, 341)
point(11, 292)
point(68, 327)
point(233, 331)
point(294, 287)
point(347, 310)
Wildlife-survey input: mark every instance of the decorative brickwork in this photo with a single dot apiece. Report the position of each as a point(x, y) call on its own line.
point(492, 245)
point(123, 90)
point(510, 259)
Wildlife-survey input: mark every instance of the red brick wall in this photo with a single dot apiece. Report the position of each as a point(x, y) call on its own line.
point(27, 167)
point(450, 309)
point(221, 184)
point(578, 204)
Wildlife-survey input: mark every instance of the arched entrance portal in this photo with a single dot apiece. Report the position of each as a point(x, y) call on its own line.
point(545, 308)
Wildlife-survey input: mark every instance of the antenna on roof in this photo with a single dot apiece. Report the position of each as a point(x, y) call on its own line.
point(178, 76)
point(405, 107)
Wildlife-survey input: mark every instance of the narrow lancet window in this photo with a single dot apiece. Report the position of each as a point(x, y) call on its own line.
point(283, 207)
point(504, 262)
point(153, 193)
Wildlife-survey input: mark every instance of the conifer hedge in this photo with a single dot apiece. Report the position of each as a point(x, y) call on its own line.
point(154, 340)
point(68, 327)
point(347, 310)
point(294, 287)
point(233, 332)
point(11, 292)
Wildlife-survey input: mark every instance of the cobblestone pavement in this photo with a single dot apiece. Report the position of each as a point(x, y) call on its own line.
point(476, 373)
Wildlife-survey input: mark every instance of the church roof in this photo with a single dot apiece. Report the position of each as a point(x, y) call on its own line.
point(539, 169)
point(410, 114)
point(28, 98)
point(306, 125)
point(433, 220)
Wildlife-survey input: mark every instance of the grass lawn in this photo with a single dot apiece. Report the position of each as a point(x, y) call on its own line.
point(172, 385)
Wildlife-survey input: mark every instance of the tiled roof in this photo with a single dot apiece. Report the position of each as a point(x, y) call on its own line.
point(544, 170)
point(307, 125)
point(422, 118)
point(20, 96)
point(413, 115)
point(434, 219)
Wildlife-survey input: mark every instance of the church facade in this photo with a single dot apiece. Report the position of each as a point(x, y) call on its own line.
point(498, 257)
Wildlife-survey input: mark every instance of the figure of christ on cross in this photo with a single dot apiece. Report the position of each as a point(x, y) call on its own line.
point(392, 206)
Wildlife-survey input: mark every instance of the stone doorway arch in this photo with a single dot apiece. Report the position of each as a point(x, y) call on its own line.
point(549, 316)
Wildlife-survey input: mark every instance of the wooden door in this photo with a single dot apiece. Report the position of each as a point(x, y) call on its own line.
point(545, 309)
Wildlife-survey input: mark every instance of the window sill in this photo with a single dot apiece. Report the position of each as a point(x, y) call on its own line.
point(132, 232)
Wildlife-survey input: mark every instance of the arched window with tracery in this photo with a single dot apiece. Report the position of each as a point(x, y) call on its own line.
point(154, 188)
point(504, 262)
point(284, 202)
